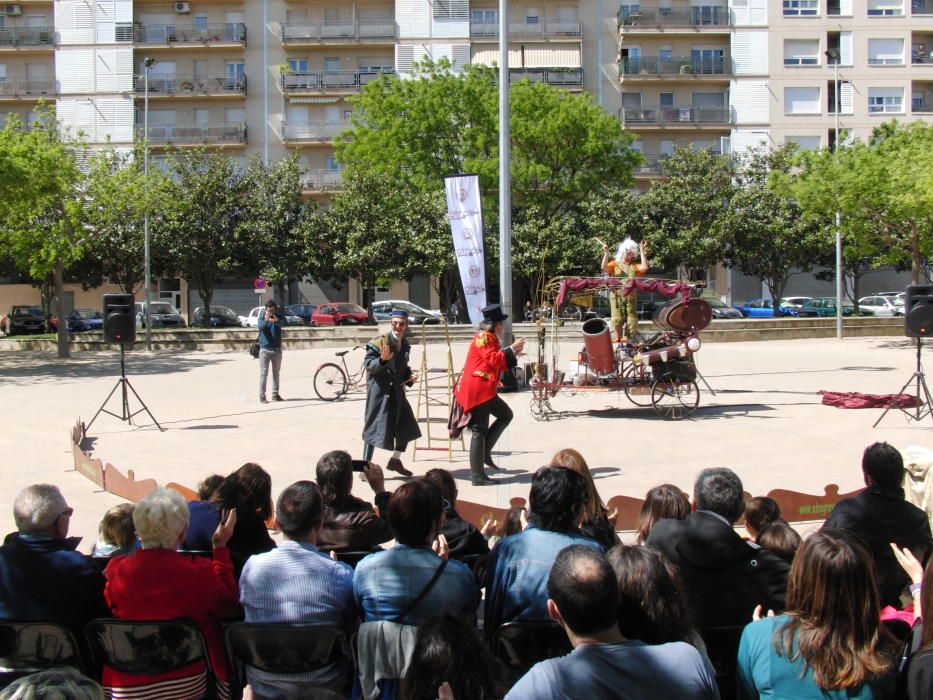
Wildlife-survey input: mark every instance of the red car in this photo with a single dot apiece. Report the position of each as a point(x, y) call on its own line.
point(340, 314)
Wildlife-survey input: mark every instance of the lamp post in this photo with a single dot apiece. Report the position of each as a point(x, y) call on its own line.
point(148, 63)
point(833, 55)
point(505, 184)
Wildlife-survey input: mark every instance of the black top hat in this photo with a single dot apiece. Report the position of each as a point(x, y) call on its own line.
point(493, 313)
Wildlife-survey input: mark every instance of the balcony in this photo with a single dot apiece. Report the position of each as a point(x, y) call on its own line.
point(329, 81)
point(550, 29)
point(691, 117)
point(921, 7)
point(920, 53)
point(222, 34)
point(191, 85)
point(558, 77)
point(651, 164)
point(26, 37)
point(359, 31)
point(322, 181)
point(683, 68)
point(633, 18)
point(26, 88)
point(312, 132)
point(195, 134)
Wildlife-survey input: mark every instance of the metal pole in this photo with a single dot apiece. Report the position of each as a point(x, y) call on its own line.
point(839, 270)
point(505, 194)
point(265, 82)
point(147, 64)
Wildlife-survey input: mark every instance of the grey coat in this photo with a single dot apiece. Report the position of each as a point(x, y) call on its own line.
point(390, 422)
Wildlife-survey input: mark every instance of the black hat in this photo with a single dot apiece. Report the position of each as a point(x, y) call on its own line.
point(493, 313)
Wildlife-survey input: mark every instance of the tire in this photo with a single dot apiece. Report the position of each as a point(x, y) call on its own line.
point(572, 313)
point(673, 400)
point(330, 382)
point(639, 393)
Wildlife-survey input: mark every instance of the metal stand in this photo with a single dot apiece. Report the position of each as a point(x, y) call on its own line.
point(922, 409)
point(123, 384)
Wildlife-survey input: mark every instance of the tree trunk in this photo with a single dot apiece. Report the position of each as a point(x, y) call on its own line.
point(59, 273)
point(367, 299)
point(282, 288)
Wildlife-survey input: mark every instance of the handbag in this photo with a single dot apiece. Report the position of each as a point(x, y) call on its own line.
point(254, 348)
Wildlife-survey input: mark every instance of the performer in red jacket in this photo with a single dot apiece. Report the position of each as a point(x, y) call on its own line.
point(477, 393)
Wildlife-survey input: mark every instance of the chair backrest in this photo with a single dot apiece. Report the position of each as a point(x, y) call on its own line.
point(27, 647)
point(722, 648)
point(522, 643)
point(145, 648)
point(354, 558)
point(287, 648)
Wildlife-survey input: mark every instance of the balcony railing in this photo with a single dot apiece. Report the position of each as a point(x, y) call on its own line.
point(192, 85)
point(551, 76)
point(322, 181)
point(27, 87)
point(922, 103)
point(194, 134)
point(673, 116)
point(26, 36)
point(670, 67)
point(312, 132)
point(223, 33)
point(360, 30)
point(323, 81)
point(651, 164)
point(651, 17)
point(522, 31)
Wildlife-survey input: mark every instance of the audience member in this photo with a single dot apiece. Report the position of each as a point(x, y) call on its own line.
point(42, 577)
point(829, 643)
point(297, 583)
point(664, 501)
point(448, 650)
point(514, 522)
point(204, 515)
point(760, 512)
point(350, 524)
point(64, 683)
point(779, 537)
point(581, 587)
point(248, 491)
point(724, 576)
point(919, 684)
point(410, 583)
point(652, 607)
point(158, 583)
point(116, 533)
point(880, 515)
point(463, 538)
point(596, 524)
point(518, 566)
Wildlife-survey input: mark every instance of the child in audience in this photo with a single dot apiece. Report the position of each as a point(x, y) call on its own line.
point(759, 513)
point(779, 537)
point(116, 534)
point(664, 501)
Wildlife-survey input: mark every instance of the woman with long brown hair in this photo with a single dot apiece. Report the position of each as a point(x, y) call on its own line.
point(596, 524)
point(830, 642)
point(664, 501)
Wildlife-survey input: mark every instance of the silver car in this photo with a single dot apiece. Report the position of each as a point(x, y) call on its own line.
point(881, 306)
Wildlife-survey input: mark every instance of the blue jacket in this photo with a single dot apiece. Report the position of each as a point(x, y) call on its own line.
point(270, 334)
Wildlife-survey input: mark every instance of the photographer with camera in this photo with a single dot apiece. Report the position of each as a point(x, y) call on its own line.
point(270, 349)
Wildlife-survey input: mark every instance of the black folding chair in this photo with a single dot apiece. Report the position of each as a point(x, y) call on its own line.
point(29, 647)
point(521, 644)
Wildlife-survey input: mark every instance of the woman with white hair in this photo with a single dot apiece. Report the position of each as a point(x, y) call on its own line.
point(158, 583)
point(625, 308)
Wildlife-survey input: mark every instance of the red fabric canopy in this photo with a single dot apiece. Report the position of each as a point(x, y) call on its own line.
point(854, 399)
point(580, 284)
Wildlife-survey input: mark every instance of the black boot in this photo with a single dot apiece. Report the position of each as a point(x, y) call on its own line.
point(477, 455)
point(495, 432)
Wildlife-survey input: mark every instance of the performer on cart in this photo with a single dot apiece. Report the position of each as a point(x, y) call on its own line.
point(625, 308)
point(390, 422)
point(476, 392)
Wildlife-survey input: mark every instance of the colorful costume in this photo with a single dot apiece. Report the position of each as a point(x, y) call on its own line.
point(624, 308)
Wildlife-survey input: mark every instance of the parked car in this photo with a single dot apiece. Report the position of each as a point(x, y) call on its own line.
point(23, 320)
point(824, 306)
point(881, 306)
point(83, 320)
point(303, 311)
point(763, 308)
point(221, 317)
point(340, 314)
point(162, 314)
point(599, 308)
point(721, 309)
point(251, 320)
point(793, 304)
point(416, 314)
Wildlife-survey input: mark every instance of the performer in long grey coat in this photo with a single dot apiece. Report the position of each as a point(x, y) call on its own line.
point(390, 422)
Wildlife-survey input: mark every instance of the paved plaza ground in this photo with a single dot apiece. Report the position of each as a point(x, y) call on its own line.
point(765, 421)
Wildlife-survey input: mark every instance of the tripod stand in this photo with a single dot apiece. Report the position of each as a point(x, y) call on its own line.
point(924, 405)
point(123, 384)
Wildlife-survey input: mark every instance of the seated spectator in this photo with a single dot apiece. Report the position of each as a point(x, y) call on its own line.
point(350, 524)
point(518, 566)
point(829, 643)
point(604, 664)
point(248, 491)
point(515, 521)
point(664, 501)
point(448, 650)
point(920, 668)
point(63, 683)
point(42, 577)
point(116, 534)
point(724, 576)
point(880, 515)
point(296, 582)
point(652, 606)
point(779, 537)
point(205, 515)
point(158, 583)
point(760, 512)
point(463, 538)
point(596, 524)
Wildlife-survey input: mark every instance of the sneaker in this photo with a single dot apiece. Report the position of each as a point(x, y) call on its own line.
point(263, 399)
point(395, 465)
point(276, 397)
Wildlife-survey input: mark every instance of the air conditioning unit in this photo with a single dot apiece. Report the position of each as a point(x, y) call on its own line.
point(182, 8)
point(12, 10)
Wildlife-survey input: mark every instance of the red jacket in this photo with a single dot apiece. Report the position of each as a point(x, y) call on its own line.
point(479, 379)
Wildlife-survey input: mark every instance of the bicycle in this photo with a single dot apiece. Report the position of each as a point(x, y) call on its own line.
point(333, 381)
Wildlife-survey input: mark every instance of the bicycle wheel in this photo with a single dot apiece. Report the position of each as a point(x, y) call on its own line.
point(572, 313)
point(637, 385)
point(330, 382)
point(674, 400)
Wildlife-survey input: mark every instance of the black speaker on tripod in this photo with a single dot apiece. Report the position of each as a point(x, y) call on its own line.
point(918, 311)
point(119, 318)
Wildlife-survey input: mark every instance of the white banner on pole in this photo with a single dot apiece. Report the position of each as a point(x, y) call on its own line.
point(466, 226)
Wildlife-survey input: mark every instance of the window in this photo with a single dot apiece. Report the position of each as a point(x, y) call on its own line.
point(885, 52)
point(707, 61)
point(531, 15)
point(885, 8)
point(802, 100)
point(331, 65)
point(665, 55)
point(801, 8)
point(805, 143)
point(667, 99)
point(331, 164)
point(200, 23)
point(885, 100)
point(298, 65)
point(485, 16)
point(801, 52)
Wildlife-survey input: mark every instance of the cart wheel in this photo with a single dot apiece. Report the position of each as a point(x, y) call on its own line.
point(674, 400)
point(637, 386)
point(330, 382)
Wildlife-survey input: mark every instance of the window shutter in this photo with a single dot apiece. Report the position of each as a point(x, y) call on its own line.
point(743, 139)
point(845, 48)
point(105, 70)
point(460, 56)
point(751, 101)
point(404, 58)
point(105, 21)
point(802, 100)
point(74, 70)
point(750, 52)
point(846, 97)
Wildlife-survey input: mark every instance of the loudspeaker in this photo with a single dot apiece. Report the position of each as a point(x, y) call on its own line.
point(119, 318)
point(918, 311)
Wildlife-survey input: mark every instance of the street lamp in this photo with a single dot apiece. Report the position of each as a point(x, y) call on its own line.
point(505, 184)
point(148, 63)
point(833, 56)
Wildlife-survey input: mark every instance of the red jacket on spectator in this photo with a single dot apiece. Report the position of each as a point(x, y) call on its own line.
point(480, 377)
